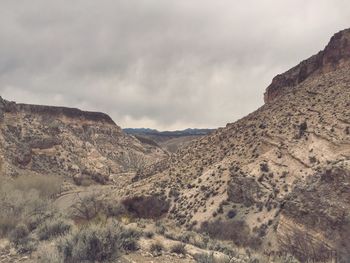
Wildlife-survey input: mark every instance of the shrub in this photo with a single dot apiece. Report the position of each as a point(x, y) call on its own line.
point(204, 258)
point(53, 228)
point(147, 206)
point(27, 244)
point(236, 231)
point(87, 207)
point(218, 246)
point(93, 205)
point(48, 254)
point(302, 128)
point(128, 239)
point(23, 242)
point(21, 207)
point(149, 234)
point(231, 214)
point(264, 167)
point(178, 249)
point(97, 243)
point(18, 234)
point(156, 248)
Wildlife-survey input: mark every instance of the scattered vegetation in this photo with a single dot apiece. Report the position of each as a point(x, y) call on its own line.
point(24, 206)
point(147, 206)
point(91, 206)
point(205, 258)
point(178, 249)
point(54, 228)
point(236, 231)
point(97, 243)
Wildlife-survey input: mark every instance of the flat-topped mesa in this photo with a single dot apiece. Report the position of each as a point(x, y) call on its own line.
point(334, 55)
point(54, 111)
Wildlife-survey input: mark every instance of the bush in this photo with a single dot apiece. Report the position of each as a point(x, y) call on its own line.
point(48, 254)
point(93, 205)
point(97, 243)
point(231, 214)
point(178, 249)
point(26, 245)
point(236, 231)
point(129, 238)
point(149, 234)
point(147, 206)
point(53, 228)
point(18, 234)
point(204, 258)
point(21, 207)
point(156, 248)
point(23, 242)
point(87, 207)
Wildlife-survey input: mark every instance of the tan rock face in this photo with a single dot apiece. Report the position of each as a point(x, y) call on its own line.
point(336, 52)
point(68, 142)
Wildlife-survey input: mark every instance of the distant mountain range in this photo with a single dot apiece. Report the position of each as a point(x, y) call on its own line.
point(170, 141)
point(186, 132)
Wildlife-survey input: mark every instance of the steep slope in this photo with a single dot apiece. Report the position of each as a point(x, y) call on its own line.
point(68, 142)
point(250, 169)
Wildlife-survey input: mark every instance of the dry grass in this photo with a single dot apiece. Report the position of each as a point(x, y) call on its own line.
point(47, 186)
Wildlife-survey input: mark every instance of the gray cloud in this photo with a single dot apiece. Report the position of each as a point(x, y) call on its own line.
point(158, 63)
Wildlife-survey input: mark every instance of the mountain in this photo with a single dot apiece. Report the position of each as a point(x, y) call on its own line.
point(170, 141)
point(272, 184)
point(67, 142)
point(282, 171)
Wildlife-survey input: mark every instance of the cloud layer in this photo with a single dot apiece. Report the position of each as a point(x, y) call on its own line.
point(158, 63)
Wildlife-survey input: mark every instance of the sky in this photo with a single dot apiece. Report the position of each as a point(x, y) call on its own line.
point(164, 64)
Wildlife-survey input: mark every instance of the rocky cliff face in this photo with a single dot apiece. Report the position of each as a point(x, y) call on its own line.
point(263, 168)
point(332, 57)
point(68, 142)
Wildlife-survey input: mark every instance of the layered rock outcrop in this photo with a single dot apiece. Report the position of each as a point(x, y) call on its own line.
point(68, 142)
point(333, 56)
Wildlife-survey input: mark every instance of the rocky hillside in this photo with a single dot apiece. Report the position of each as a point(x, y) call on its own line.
point(281, 169)
point(68, 142)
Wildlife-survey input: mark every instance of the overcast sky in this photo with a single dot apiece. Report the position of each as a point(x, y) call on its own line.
point(166, 64)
